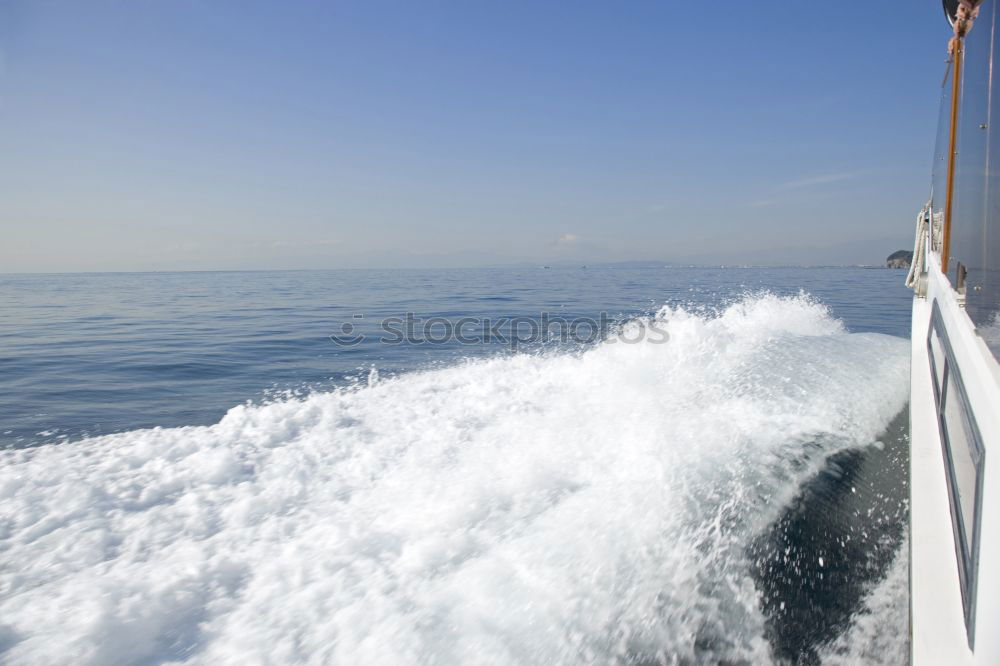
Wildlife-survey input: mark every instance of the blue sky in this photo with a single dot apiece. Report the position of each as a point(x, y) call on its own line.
point(227, 135)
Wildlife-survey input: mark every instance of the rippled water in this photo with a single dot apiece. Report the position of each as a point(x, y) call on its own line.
point(98, 353)
point(699, 501)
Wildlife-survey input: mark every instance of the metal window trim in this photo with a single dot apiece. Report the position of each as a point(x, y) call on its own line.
point(967, 554)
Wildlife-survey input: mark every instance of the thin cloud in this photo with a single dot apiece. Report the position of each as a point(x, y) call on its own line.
point(782, 190)
point(574, 245)
point(813, 181)
point(290, 243)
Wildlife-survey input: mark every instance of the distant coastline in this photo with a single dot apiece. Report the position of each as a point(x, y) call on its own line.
point(618, 265)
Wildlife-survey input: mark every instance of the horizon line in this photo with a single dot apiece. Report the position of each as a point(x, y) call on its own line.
point(540, 266)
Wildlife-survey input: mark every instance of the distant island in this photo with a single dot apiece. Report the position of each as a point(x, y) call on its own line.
point(899, 259)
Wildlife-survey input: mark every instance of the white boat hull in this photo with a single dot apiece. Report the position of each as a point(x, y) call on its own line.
point(941, 632)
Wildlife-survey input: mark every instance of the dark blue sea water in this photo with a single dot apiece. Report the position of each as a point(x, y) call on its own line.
point(89, 354)
point(195, 468)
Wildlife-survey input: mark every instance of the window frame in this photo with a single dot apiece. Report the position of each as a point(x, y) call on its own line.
point(967, 554)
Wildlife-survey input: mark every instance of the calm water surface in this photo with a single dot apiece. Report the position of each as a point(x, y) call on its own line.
point(88, 354)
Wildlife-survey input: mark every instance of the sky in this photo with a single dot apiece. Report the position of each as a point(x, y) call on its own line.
point(215, 135)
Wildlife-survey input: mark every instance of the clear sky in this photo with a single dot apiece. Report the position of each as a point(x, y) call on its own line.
point(156, 135)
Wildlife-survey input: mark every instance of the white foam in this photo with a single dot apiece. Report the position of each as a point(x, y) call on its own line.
point(566, 508)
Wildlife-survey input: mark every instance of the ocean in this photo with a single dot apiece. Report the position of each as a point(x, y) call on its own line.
point(632, 465)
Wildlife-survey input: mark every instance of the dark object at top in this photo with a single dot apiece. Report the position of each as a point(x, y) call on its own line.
point(950, 9)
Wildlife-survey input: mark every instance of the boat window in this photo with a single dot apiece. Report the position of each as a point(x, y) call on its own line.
point(970, 193)
point(978, 246)
point(964, 457)
point(937, 362)
point(939, 170)
point(962, 448)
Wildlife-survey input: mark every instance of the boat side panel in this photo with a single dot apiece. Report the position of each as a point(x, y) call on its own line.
point(936, 617)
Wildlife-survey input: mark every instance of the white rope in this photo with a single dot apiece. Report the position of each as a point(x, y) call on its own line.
point(918, 264)
point(937, 229)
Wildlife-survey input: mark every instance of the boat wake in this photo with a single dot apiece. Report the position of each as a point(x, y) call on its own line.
point(595, 506)
point(879, 632)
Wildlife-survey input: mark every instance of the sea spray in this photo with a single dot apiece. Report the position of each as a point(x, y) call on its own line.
point(591, 506)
